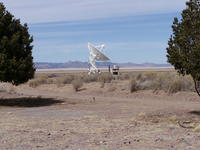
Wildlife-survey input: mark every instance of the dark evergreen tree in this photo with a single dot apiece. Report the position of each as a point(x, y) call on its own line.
point(16, 61)
point(183, 50)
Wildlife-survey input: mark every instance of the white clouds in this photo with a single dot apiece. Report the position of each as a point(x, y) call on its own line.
point(73, 10)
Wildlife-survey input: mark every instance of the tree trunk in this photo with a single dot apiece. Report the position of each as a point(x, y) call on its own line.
point(196, 86)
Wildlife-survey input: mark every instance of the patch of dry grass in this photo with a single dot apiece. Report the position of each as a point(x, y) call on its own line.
point(38, 81)
point(133, 85)
point(197, 129)
point(77, 84)
point(66, 79)
point(112, 88)
point(170, 82)
point(105, 78)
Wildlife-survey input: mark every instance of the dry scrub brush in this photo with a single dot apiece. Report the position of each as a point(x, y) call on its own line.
point(63, 79)
point(133, 85)
point(66, 79)
point(77, 84)
point(169, 82)
point(38, 81)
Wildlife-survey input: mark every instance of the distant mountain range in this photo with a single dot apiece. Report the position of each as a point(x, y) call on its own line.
point(79, 64)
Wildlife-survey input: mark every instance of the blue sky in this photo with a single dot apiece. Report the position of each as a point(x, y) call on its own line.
point(132, 30)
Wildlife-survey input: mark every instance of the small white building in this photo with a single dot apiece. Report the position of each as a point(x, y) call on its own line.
point(115, 70)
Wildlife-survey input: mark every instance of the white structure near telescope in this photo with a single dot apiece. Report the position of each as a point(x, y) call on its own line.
point(96, 54)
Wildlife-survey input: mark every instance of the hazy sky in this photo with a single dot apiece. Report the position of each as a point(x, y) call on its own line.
point(132, 30)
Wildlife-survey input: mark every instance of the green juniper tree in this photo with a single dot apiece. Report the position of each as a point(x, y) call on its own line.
point(183, 50)
point(16, 61)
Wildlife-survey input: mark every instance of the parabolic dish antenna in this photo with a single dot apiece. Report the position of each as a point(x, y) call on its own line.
point(96, 55)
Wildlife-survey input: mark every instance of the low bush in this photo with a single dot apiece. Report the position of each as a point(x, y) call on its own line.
point(89, 78)
point(124, 76)
point(66, 79)
point(175, 86)
point(77, 84)
point(105, 77)
point(38, 81)
point(133, 85)
point(180, 84)
point(169, 82)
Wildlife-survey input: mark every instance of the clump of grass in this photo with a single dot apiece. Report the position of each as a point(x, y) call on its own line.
point(151, 75)
point(124, 76)
point(11, 90)
point(8, 88)
point(160, 82)
point(140, 77)
point(3, 89)
point(77, 84)
point(197, 129)
point(175, 86)
point(142, 115)
point(169, 82)
point(172, 119)
point(180, 84)
point(105, 77)
point(102, 84)
point(66, 79)
point(133, 85)
point(38, 81)
point(112, 88)
point(89, 78)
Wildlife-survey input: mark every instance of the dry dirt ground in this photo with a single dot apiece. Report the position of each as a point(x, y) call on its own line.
point(109, 118)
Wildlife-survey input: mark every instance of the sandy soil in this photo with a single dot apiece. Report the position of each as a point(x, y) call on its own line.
point(97, 119)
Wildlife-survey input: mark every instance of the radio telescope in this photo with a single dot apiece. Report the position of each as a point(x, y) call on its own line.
point(96, 55)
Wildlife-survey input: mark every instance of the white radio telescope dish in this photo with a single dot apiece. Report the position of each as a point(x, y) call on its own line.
point(96, 55)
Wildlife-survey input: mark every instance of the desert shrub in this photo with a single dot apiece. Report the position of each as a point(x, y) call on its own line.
point(169, 82)
point(77, 84)
point(112, 88)
point(151, 75)
point(38, 81)
point(133, 85)
point(102, 84)
point(160, 82)
point(11, 90)
point(188, 83)
point(140, 77)
point(105, 78)
point(124, 76)
point(7, 87)
point(146, 85)
point(90, 78)
point(52, 75)
point(175, 86)
point(180, 84)
point(66, 79)
point(51, 81)
point(3, 89)
point(157, 84)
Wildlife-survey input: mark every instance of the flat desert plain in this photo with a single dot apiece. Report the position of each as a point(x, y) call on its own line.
point(51, 117)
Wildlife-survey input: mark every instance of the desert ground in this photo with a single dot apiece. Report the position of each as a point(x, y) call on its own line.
point(98, 116)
